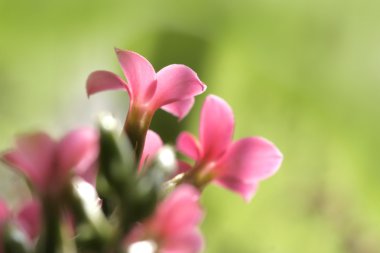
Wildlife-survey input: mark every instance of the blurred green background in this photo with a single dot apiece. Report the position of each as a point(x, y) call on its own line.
point(304, 74)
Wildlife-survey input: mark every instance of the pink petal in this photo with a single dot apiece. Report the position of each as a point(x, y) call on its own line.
point(247, 162)
point(216, 127)
point(38, 148)
point(245, 189)
point(188, 145)
point(104, 80)
point(251, 159)
point(173, 226)
point(90, 173)
point(4, 212)
point(34, 157)
point(4, 216)
point(18, 161)
point(139, 73)
point(179, 213)
point(190, 242)
point(182, 167)
point(179, 109)
point(175, 83)
point(78, 150)
point(29, 219)
point(153, 143)
point(135, 235)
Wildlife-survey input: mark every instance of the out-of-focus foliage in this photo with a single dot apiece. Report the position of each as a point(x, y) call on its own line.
point(304, 74)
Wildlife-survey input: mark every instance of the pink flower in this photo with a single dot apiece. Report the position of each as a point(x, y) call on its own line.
point(238, 166)
point(27, 219)
point(4, 214)
point(47, 164)
point(173, 226)
point(153, 143)
point(172, 89)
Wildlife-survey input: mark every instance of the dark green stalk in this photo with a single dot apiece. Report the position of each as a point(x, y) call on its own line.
point(51, 238)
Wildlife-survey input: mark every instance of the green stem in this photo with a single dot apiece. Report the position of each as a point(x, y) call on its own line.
point(136, 127)
point(51, 238)
point(199, 176)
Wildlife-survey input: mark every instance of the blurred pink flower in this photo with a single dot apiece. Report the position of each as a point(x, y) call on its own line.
point(5, 214)
point(172, 89)
point(153, 143)
point(27, 219)
point(173, 226)
point(238, 166)
point(47, 164)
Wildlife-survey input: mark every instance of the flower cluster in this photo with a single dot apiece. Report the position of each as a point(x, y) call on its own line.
point(99, 190)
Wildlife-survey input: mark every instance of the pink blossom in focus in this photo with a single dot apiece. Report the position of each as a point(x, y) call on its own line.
point(172, 88)
point(236, 165)
point(173, 226)
point(47, 164)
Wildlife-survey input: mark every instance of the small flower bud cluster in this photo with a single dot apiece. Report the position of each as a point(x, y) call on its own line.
point(101, 191)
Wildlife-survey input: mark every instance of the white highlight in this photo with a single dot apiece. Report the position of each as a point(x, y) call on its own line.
point(166, 157)
point(108, 121)
point(89, 197)
point(143, 247)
